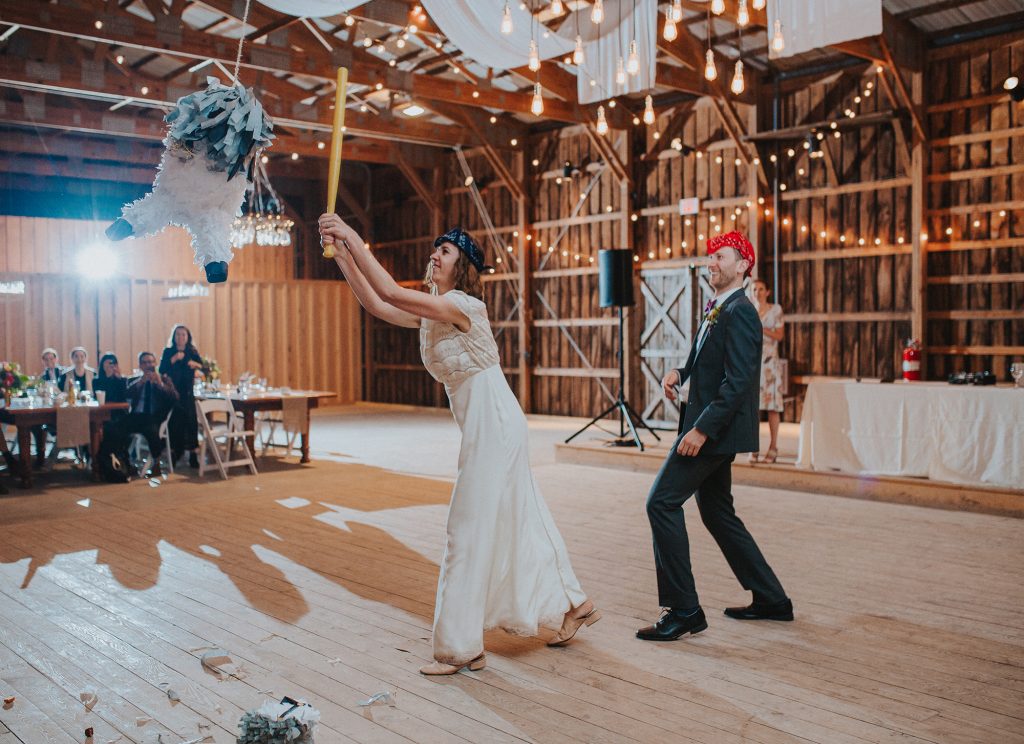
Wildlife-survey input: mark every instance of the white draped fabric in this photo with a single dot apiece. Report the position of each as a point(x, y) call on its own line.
point(601, 54)
point(312, 8)
point(958, 434)
point(474, 26)
point(811, 24)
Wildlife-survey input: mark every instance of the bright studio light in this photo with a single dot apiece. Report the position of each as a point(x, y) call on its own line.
point(96, 262)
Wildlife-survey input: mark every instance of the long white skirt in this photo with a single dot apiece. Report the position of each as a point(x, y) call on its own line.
point(505, 564)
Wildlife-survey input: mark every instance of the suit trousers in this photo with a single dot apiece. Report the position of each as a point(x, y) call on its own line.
point(710, 478)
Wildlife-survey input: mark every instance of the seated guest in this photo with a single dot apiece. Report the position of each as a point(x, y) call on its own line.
point(109, 380)
point(78, 372)
point(51, 371)
point(150, 397)
point(51, 374)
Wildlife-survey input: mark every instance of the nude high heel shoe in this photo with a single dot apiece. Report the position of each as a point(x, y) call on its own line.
point(571, 624)
point(439, 668)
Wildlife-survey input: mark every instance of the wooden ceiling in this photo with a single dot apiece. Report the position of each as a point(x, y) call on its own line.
point(109, 69)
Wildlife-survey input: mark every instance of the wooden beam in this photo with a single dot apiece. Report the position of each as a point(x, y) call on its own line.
point(608, 153)
point(414, 179)
point(357, 209)
point(848, 188)
point(901, 87)
point(919, 254)
point(842, 123)
point(121, 124)
point(51, 167)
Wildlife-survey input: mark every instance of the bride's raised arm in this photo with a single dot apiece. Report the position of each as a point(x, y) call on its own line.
point(420, 304)
point(367, 297)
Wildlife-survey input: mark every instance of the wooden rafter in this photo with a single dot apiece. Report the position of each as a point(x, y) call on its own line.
point(421, 189)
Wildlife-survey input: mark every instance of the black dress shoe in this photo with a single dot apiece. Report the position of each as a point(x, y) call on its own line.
point(760, 611)
point(672, 625)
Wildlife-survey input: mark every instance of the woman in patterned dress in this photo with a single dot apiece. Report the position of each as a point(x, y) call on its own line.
point(505, 564)
point(771, 366)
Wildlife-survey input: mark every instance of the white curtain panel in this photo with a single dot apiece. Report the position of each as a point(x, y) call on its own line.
point(601, 53)
point(312, 8)
point(474, 26)
point(811, 24)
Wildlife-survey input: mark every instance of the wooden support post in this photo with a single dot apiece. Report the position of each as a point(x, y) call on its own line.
point(524, 318)
point(919, 256)
point(416, 182)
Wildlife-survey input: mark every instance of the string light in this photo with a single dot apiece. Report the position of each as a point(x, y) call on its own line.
point(602, 122)
point(556, 7)
point(620, 72)
point(670, 33)
point(759, 4)
point(506, 19)
point(597, 12)
point(710, 71)
point(537, 104)
point(778, 42)
point(649, 110)
point(737, 78)
point(718, 7)
point(633, 63)
point(577, 55)
point(742, 16)
point(676, 13)
point(534, 63)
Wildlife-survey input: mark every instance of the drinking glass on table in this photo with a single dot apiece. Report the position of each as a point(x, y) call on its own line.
point(1017, 373)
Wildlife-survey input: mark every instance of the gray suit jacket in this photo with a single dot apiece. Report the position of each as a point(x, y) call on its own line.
point(725, 381)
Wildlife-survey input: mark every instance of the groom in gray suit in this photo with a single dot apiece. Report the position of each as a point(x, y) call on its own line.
point(719, 420)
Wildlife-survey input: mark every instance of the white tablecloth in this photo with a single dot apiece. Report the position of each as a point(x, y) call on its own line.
point(955, 433)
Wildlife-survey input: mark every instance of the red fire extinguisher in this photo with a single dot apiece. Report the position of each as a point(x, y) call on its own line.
point(912, 359)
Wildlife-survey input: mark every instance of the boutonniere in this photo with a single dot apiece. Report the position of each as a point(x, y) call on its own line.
point(712, 317)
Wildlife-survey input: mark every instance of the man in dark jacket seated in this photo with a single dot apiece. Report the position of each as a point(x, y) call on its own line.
point(150, 397)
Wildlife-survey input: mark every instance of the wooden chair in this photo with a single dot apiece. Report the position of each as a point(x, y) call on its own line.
point(216, 435)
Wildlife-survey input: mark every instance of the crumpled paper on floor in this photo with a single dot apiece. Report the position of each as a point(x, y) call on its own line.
point(89, 699)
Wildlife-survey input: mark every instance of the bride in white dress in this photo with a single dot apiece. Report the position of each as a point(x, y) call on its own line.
point(505, 564)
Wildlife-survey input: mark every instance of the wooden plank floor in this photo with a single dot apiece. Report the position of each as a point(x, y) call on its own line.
point(319, 582)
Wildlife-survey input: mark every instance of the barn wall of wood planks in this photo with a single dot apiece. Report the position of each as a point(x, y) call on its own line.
point(836, 241)
point(303, 334)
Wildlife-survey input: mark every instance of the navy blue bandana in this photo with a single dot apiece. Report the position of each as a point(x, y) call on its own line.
point(460, 239)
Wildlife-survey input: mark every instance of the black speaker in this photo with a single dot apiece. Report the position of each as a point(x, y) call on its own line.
point(616, 277)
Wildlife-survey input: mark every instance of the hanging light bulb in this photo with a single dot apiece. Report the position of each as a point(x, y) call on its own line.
point(577, 55)
point(676, 13)
point(620, 72)
point(602, 123)
point(718, 7)
point(506, 19)
point(557, 8)
point(737, 78)
point(742, 16)
point(537, 105)
point(670, 32)
point(759, 4)
point(597, 12)
point(534, 62)
point(648, 110)
point(633, 63)
point(710, 71)
point(778, 43)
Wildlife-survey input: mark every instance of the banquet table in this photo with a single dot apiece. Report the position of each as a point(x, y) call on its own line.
point(955, 433)
point(249, 403)
point(23, 419)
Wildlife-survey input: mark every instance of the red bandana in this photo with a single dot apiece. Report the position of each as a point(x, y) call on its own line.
point(735, 240)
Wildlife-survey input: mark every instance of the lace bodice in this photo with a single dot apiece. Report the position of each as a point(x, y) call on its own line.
point(450, 355)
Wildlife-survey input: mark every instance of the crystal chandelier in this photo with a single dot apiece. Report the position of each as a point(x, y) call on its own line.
point(262, 220)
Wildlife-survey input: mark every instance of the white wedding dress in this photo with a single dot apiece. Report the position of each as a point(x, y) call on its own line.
point(505, 564)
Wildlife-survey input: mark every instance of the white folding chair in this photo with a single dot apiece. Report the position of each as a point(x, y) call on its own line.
point(139, 448)
point(228, 435)
point(267, 423)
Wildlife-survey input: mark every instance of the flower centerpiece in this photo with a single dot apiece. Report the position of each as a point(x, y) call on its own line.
point(12, 381)
point(210, 369)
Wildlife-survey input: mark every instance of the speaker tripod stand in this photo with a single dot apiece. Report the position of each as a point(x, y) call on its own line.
point(626, 412)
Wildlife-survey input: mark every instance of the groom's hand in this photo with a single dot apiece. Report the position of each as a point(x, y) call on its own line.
point(669, 383)
point(691, 443)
